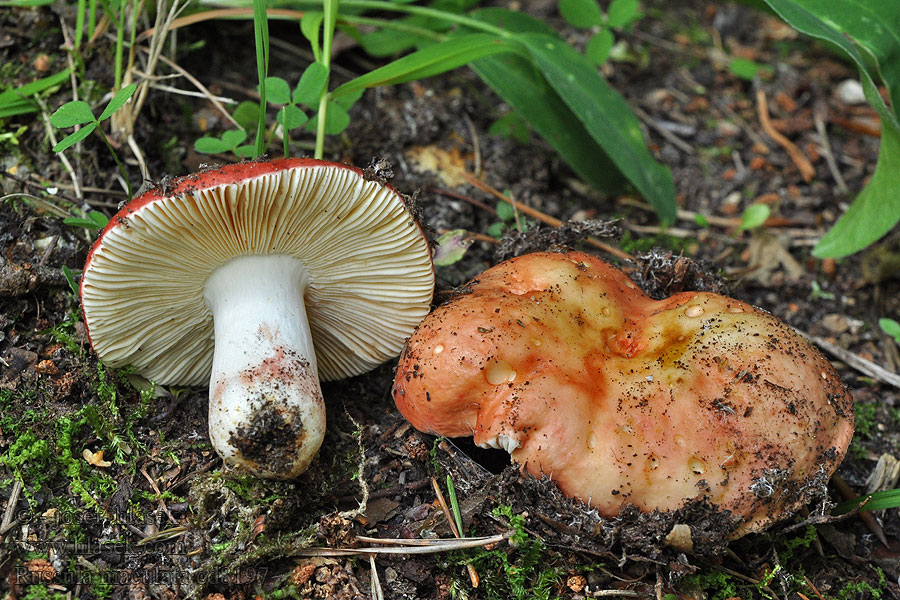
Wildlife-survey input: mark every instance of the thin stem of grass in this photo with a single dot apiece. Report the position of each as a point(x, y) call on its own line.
point(261, 35)
point(92, 18)
point(79, 23)
point(328, 22)
point(120, 46)
point(418, 10)
point(115, 156)
point(394, 26)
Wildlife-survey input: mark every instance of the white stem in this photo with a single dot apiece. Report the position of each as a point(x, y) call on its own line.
point(266, 412)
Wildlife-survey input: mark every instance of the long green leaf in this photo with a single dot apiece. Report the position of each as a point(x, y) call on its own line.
point(429, 61)
point(261, 38)
point(606, 116)
point(15, 96)
point(19, 107)
point(517, 81)
point(875, 501)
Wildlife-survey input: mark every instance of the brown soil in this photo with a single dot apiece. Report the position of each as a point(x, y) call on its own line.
point(155, 515)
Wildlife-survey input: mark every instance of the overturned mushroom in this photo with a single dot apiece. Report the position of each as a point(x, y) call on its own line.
point(562, 361)
point(259, 278)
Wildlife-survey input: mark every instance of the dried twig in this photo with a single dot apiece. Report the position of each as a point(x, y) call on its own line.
point(473, 574)
point(162, 504)
point(543, 217)
point(377, 592)
point(8, 523)
point(620, 594)
point(797, 156)
point(862, 365)
point(671, 137)
point(820, 111)
point(196, 82)
point(436, 546)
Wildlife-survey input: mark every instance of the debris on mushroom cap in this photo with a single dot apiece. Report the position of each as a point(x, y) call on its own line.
point(259, 277)
point(561, 360)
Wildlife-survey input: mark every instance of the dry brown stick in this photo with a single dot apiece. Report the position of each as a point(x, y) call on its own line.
point(222, 13)
point(671, 137)
point(473, 574)
point(162, 504)
point(859, 363)
point(725, 222)
point(814, 588)
point(856, 126)
point(435, 547)
point(797, 156)
point(543, 217)
point(8, 523)
point(820, 111)
point(375, 582)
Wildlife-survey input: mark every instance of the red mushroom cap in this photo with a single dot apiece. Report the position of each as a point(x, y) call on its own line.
point(620, 399)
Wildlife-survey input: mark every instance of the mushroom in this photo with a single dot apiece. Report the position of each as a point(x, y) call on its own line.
point(562, 361)
point(259, 278)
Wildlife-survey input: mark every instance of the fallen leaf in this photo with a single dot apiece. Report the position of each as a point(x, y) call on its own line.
point(95, 458)
point(449, 166)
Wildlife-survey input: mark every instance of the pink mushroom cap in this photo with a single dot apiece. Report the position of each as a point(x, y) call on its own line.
point(620, 399)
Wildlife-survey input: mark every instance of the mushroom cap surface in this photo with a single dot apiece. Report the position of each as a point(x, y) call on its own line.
point(621, 399)
point(370, 273)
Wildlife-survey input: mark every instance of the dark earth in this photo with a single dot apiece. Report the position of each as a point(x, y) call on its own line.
point(112, 490)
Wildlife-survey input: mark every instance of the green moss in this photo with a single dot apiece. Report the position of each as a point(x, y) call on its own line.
point(866, 419)
point(863, 589)
point(42, 592)
point(717, 585)
point(65, 334)
point(525, 572)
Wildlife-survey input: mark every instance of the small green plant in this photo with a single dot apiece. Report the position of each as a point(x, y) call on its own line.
point(716, 584)
point(586, 14)
point(748, 69)
point(509, 219)
point(817, 293)
point(228, 141)
point(863, 589)
point(754, 216)
point(93, 220)
point(547, 83)
point(890, 327)
point(78, 112)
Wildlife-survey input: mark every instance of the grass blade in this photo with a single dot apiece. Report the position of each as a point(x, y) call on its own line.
point(521, 86)
point(876, 501)
point(429, 61)
point(606, 116)
point(261, 37)
point(10, 97)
